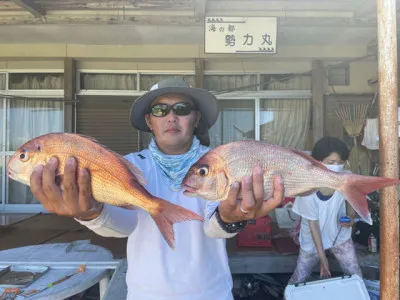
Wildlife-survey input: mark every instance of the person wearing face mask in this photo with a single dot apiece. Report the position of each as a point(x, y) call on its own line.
point(320, 227)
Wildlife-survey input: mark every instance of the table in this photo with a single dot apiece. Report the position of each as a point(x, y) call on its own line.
point(117, 289)
point(63, 259)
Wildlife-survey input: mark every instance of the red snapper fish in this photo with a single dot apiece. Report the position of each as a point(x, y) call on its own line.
point(114, 179)
point(211, 176)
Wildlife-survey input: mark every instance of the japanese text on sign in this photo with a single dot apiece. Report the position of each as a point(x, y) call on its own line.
point(240, 35)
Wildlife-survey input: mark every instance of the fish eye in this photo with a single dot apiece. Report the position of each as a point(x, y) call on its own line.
point(24, 156)
point(203, 171)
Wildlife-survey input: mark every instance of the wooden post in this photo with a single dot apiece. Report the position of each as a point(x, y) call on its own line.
point(69, 94)
point(318, 105)
point(199, 82)
point(388, 148)
point(199, 72)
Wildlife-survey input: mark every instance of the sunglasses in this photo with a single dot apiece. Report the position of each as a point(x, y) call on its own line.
point(180, 109)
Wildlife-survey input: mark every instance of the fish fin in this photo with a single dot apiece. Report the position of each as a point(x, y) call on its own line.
point(168, 214)
point(309, 158)
point(90, 138)
point(133, 169)
point(357, 187)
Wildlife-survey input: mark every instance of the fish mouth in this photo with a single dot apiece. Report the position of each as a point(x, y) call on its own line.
point(189, 190)
point(11, 173)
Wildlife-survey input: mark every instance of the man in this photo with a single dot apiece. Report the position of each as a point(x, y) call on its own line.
point(198, 269)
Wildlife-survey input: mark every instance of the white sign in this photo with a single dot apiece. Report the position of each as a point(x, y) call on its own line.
point(240, 35)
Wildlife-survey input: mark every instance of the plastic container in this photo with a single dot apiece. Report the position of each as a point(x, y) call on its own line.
point(343, 288)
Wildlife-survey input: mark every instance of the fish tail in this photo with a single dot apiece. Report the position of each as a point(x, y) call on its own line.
point(356, 188)
point(167, 214)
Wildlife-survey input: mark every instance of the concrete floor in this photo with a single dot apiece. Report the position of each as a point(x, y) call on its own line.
point(24, 230)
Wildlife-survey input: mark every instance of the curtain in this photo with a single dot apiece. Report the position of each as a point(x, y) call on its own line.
point(108, 81)
point(285, 82)
point(2, 81)
point(19, 81)
point(218, 83)
point(147, 81)
point(28, 119)
point(285, 122)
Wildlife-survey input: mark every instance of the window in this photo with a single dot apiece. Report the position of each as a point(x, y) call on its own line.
point(2, 81)
point(235, 122)
point(339, 76)
point(36, 81)
point(148, 80)
point(96, 81)
point(273, 82)
point(285, 122)
point(219, 83)
point(26, 119)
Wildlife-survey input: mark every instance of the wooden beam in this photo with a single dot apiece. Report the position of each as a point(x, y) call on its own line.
point(69, 94)
point(318, 106)
point(35, 9)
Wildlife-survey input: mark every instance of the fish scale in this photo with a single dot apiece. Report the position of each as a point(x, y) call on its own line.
point(295, 182)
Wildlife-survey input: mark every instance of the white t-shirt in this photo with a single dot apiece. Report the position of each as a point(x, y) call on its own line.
point(198, 269)
point(328, 212)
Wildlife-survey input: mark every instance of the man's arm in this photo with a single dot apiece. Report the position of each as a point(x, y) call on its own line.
point(211, 226)
point(112, 222)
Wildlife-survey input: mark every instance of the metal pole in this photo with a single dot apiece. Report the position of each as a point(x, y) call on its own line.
point(388, 148)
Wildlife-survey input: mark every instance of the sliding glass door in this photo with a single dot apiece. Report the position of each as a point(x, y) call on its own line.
point(236, 121)
point(22, 120)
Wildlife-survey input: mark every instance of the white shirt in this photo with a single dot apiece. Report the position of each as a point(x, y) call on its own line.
point(198, 269)
point(328, 213)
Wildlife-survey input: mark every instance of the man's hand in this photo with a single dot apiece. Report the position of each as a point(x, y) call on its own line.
point(252, 205)
point(72, 197)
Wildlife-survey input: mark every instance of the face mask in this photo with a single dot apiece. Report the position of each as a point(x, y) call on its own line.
point(335, 168)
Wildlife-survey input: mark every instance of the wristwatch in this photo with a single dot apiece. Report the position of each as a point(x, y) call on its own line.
point(230, 227)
